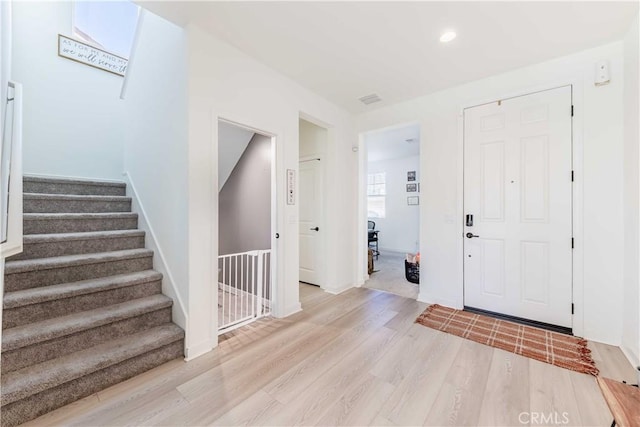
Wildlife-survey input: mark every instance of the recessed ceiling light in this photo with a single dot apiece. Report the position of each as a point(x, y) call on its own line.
point(447, 36)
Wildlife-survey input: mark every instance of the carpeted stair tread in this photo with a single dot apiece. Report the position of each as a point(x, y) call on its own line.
point(37, 378)
point(45, 223)
point(39, 264)
point(32, 333)
point(65, 181)
point(82, 287)
point(76, 216)
point(87, 235)
point(60, 244)
point(36, 184)
point(76, 197)
point(74, 203)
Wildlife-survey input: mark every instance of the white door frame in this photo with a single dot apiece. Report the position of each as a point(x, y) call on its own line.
point(362, 274)
point(275, 194)
point(324, 173)
point(578, 189)
point(564, 173)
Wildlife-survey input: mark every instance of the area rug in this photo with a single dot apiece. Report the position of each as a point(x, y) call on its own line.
point(557, 349)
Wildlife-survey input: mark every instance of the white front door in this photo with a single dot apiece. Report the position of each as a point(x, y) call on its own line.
point(310, 217)
point(518, 188)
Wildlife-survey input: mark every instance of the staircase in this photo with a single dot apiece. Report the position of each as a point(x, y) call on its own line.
point(83, 307)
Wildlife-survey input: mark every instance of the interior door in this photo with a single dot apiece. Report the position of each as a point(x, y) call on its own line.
point(310, 179)
point(517, 202)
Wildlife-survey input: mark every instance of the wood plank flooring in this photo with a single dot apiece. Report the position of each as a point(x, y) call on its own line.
point(355, 359)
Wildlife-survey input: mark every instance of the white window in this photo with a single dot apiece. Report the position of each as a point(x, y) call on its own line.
point(108, 25)
point(376, 195)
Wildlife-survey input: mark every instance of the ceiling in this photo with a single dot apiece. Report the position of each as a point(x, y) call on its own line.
point(346, 50)
point(392, 143)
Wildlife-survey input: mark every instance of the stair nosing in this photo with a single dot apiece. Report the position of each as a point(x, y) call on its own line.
point(30, 239)
point(100, 357)
point(57, 327)
point(50, 263)
point(33, 296)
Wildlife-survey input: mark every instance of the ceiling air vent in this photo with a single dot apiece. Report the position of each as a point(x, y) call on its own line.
point(370, 99)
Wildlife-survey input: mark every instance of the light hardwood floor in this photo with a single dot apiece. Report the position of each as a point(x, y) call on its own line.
point(353, 359)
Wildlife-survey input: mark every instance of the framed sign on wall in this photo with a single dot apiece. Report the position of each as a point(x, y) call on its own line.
point(92, 56)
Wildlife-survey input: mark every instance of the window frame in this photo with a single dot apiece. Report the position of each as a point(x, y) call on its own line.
point(377, 190)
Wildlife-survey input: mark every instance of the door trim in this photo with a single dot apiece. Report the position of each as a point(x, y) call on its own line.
point(276, 267)
point(577, 94)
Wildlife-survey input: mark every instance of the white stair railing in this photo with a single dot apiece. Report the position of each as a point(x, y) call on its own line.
point(244, 288)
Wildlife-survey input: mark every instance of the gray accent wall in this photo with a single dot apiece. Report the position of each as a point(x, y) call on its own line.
point(245, 201)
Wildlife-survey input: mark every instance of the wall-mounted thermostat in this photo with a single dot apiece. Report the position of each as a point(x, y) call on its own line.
point(291, 187)
point(602, 73)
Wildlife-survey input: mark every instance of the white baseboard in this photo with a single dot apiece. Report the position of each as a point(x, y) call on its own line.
point(441, 301)
point(338, 291)
point(195, 351)
point(634, 359)
point(179, 313)
point(290, 310)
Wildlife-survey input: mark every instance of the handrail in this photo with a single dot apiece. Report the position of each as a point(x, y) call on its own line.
point(6, 161)
point(11, 221)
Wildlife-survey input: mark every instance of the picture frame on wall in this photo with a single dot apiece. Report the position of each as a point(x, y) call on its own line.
point(411, 176)
point(413, 200)
point(412, 188)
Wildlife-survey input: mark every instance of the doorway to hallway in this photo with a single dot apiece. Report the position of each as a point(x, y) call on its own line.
point(392, 197)
point(245, 222)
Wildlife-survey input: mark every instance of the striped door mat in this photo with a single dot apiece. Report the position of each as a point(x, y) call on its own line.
point(555, 348)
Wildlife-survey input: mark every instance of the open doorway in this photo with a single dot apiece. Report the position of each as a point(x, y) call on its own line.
point(245, 212)
point(312, 151)
point(392, 197)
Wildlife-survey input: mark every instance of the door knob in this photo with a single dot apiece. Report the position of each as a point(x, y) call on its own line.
point(471, 235)
point(315, 229)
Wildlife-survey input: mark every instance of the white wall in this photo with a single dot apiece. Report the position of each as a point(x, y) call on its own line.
point(223, 82)
point(155, 151)
point(313, 139)
point(599, 159)
point(71, 111)
point(631, 328)
point(399, 229)
point(244, 215)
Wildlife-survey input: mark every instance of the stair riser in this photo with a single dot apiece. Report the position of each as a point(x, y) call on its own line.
point(18, 316)
point(31, 407)
point(41, 352)
point(76, 247)
point(72, 188)
point(32, 279)
point(75, 206)
point(50, 226)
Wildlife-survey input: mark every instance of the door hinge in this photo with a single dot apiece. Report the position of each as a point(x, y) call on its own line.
point(572, 177)
point(572, 308)
point(572, 243)
point(572, 111)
